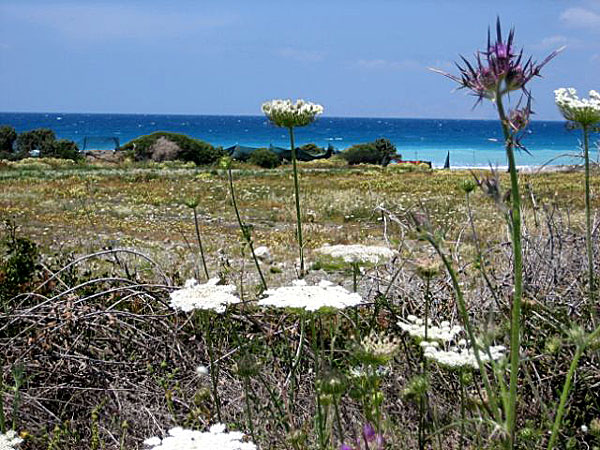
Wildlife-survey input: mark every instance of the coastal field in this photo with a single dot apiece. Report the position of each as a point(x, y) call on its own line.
point(95, 358)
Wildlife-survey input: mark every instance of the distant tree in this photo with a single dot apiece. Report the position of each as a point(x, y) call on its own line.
point(8, 136)
point(165, 146)
point(263, 157)
point(64, 149)
point(312, 148)
point(41, 139)
point(380, 152)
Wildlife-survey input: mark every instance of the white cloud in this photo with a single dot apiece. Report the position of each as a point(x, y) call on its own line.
point(304, 56)
point(581, 18)
point(551, 42)
point(384, 64)
point(110, 21)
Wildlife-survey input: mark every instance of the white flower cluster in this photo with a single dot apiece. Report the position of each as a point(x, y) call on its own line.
point(358, 253)
point(9, 440)
point(284, 113)
point(311, 298)
point(216, 438)
point(208, 296)
point(416, 328)
point(583, 111)
point(379, 346)
point(461, 356)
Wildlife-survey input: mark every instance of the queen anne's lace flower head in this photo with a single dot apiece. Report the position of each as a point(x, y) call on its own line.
point(358, 253)
point(208, 296)
point(584, 111)
point(284, 113)
point(311, 298)
point(10, 440)
point(216, 438)
point(416, 328)
point(461, 356)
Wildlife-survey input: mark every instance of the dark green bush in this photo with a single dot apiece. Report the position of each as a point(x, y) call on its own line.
point(64, 149)
point(41, 139)
point(164, 146)
point(264, 157)
point(8, 136)
point(18, 262)
point(312, 148)
point(379, 151)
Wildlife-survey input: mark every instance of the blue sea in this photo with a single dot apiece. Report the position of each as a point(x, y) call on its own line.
point(471, 143)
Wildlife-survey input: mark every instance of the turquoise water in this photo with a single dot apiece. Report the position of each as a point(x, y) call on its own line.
point(470, 142)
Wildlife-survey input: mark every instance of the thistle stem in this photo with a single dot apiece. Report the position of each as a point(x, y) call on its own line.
point(515, 327)
point(297, 198)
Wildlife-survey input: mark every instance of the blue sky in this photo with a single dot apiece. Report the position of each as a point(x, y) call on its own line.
point(357, 58)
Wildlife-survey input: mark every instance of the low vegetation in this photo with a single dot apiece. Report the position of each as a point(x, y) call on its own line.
point(95, 356)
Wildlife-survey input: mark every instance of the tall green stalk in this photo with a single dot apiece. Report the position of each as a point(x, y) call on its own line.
point(588, 211)
point(245, 230)
point(200, 243)
point(515, 324)
point(581, 346)
point(297, 198)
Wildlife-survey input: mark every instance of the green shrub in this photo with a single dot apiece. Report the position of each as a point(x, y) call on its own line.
point(164, 146)
point(379, 152)
point(312, 148)
point(8, 136)
point(63, 149)
point(18, 262)
point(41, 139)
point(263, 157)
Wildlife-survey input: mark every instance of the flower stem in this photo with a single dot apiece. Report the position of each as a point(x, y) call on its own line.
point(245, 231)
point(462, 309)
point(515, 327)
point(355, 272)
point(200, 243)
point(567, 386)
point(297, 198)
point(213, 365)
point(248, 407)
point(588, 221)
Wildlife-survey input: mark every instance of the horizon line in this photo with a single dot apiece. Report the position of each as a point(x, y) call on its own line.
point(259, 115)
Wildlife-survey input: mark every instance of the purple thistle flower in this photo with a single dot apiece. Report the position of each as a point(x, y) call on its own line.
point(498, 70)
point(345, 447)
point(369, 432)
point(380, 441)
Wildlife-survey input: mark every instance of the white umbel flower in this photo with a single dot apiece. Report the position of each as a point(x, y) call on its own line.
point(358, 253)
point(311, 298)
point(585, 111)
point(215, 438)
point(416, 328)
point(208, 296)
point(10, 440)
point(284, 113)
point(461, 356)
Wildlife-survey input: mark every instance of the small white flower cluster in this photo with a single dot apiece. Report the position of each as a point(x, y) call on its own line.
point(360, 371)
point(216, 438)
point(9, 440)
point(379, 346)
point(208, 296)
point(583, 111)
point(284, 113)
point(416, 328)
point(311, 298)
point(358, 253)
point(460, 356)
